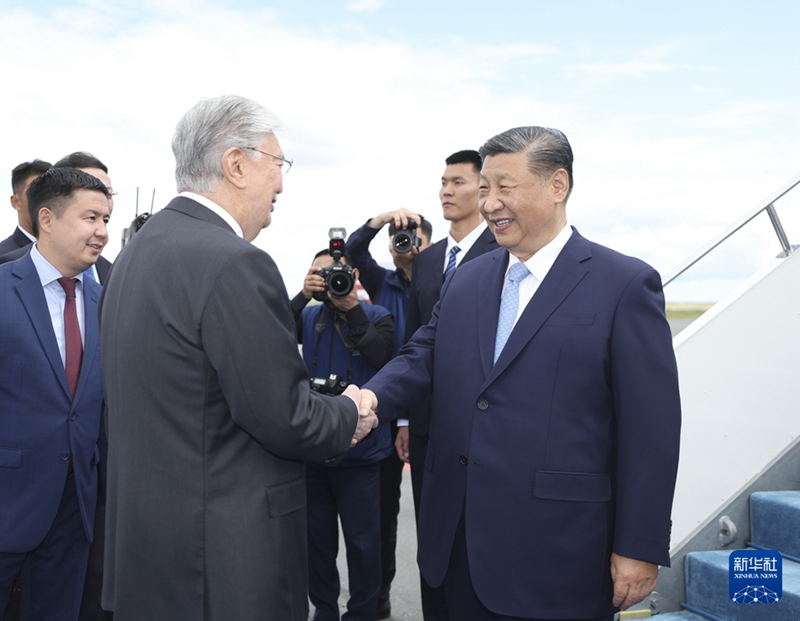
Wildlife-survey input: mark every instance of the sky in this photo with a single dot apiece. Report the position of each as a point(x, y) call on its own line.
point(683, 116)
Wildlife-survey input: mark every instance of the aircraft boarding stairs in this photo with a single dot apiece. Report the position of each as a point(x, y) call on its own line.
point(739, 476)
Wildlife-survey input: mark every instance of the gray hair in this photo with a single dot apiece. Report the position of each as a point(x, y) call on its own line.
point(547, 149)
point(209, 129)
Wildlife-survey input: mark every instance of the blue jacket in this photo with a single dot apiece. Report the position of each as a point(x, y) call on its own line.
point(386, 288)
point(349, 362)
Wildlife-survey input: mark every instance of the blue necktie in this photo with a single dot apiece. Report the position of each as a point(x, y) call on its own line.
point(509, 306)
point(451, 261)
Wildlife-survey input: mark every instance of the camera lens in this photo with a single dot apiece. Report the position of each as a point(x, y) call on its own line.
point(340, 284)
point(402, 242)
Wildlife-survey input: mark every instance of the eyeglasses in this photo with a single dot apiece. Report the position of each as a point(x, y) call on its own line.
point(285, 170)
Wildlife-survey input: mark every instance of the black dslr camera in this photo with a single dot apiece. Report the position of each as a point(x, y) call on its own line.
point(333, 385)
point(405, 239)
point(339, 279)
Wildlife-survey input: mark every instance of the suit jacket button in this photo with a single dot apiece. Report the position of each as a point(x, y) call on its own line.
point(73, 416)
point(463, 460)
point(483, 405)
point(65, 455)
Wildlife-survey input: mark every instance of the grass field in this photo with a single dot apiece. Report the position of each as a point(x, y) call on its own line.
point(687, 310)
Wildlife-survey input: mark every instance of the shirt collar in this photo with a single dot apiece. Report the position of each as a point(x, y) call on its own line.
point(469, 239)
point(26, 234)
point(541, 262)
point(208, 203)
point(47, 272)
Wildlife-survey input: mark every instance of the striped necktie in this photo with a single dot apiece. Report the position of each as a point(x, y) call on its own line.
point(451, 261)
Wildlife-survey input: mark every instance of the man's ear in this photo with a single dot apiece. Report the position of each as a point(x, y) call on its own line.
point(15, 202)
point(355, 273)
point(234, 167)
point(46, 218)
point(559, 184)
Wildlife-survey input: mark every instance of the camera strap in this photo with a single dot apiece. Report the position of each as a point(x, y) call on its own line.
point(320, 327)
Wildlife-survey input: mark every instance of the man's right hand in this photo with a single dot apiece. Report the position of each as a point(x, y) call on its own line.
point(400, 217)
point(367, 418)
point(313, 282)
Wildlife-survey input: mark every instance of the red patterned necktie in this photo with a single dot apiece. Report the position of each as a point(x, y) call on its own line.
point(72, 334)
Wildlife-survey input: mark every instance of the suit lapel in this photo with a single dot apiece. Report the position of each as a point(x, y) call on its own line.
point(29, 289)
point(437, 259)
point(563, 277)
point(490, 285)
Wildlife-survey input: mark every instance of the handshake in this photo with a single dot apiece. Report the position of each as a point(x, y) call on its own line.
point(367, 404)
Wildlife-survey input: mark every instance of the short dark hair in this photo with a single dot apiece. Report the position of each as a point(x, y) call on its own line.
point(26, 170)
point(467, 156)
point(547, 149)
point(325, 252)
point(55, 188)
point(425, 226)
point(80, 159)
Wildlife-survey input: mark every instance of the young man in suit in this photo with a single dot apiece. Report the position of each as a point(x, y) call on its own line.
point(209, 409)
point(52, 395)
point(21, 178)
point(550, 365)
point(88, 163)
point(468, 238)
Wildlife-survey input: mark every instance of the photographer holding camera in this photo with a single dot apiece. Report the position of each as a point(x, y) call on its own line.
point(409, 234)
point(344, 341)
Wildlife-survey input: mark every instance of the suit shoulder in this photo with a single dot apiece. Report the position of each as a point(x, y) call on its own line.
point(618, 260)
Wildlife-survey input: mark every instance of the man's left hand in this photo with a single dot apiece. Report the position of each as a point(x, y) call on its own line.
point(633, 580)
point(347, 302)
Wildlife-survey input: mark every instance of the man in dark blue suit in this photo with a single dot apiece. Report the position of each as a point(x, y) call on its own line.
point(51, 396)
point(556, 415)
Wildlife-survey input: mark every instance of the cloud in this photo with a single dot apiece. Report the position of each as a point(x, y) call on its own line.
point(644, 63)
point(365, 6)
point(742, 113)
point(369, 121)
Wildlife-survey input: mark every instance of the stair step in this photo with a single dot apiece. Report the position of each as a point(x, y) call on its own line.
point(775, 521)
point(707, 590)
point(683, 615)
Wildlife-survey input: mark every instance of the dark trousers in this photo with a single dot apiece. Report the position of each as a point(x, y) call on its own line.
point(93, 586)
point(391, 479)
point(352, 495)
point(462, 601)
point(434, 602)
point(52, 581)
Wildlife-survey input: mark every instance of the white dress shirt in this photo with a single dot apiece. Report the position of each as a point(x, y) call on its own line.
point(538, 265)
point(207, 202)
point(57, 298)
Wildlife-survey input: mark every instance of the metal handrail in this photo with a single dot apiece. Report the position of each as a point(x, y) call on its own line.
point(768, 206)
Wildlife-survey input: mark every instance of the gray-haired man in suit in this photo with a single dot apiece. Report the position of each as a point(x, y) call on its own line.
point(210, 411)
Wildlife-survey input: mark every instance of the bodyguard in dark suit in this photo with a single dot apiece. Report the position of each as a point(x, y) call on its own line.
point(21, 178)
point(210, 410)
point(52, 396)
point(556, 415)
point(468, 238)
